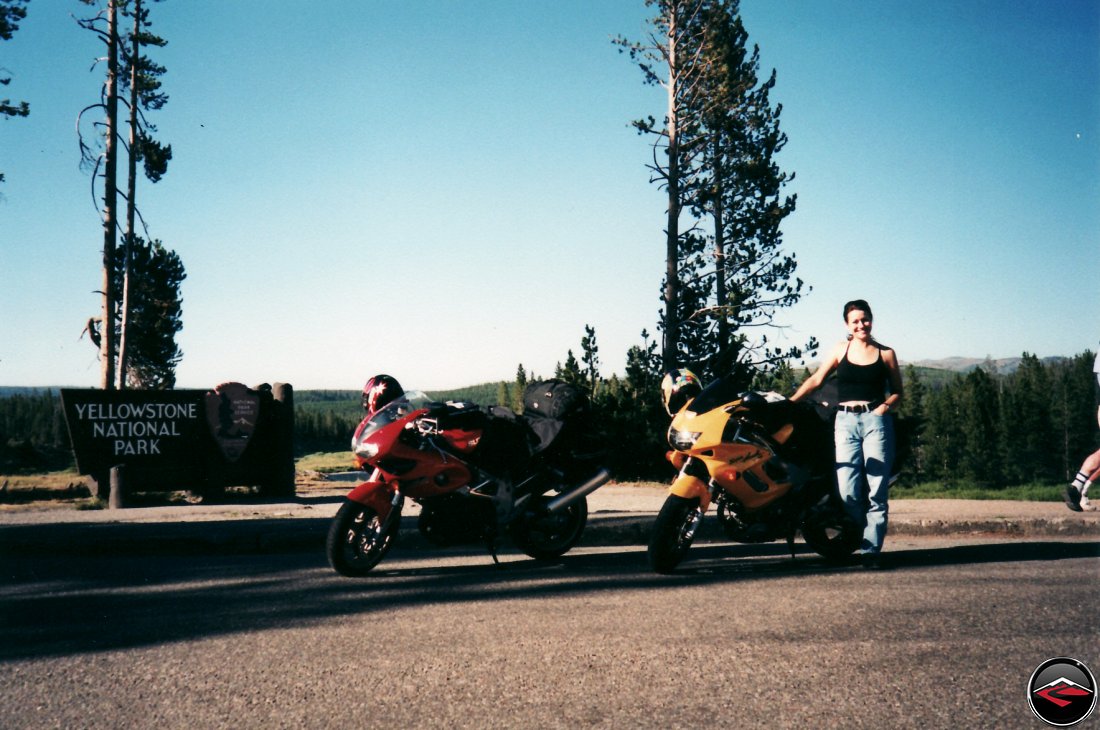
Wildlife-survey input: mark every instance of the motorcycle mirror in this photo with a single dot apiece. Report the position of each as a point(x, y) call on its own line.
point(750, 398)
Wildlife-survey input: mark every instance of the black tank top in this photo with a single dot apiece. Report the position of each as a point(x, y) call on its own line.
point(861, 382)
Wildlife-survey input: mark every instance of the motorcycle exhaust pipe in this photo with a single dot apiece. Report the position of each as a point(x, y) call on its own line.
point(560, 502)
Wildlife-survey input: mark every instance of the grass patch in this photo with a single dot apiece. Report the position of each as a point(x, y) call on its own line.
point(940, 490)
point(64, 479)
point(326, 462)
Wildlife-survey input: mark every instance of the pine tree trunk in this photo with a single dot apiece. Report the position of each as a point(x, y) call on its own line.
point(131, 189)
point(671, 341)
point(720, 298)
point(108, 341)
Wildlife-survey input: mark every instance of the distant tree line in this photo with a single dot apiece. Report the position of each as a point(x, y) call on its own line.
point(324, 420)
point(1033, 425)
point(32, 432)
point(325, 425)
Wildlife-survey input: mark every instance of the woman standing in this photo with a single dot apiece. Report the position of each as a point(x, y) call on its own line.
point(869, 387)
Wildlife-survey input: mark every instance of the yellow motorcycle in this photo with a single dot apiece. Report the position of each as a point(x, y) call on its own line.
point(766, 463)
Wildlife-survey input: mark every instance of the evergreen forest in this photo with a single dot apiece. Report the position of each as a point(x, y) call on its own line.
point(978, 428)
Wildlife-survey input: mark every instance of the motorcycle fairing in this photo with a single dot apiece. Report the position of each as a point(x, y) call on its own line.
point(691, 487)
point(751, 474)
point(462, 440)
point(376, 495)
point(441, 475)
point(692, 483)
point(747, 471)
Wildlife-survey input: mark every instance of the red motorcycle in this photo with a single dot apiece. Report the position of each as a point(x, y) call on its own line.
point(476, 474)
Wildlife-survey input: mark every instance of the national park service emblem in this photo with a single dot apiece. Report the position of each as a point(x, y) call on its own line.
point(232, 410)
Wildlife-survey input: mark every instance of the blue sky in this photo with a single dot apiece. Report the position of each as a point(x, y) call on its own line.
point(443, 190)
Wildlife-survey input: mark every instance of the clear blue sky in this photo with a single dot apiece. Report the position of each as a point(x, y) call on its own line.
point(443, 190)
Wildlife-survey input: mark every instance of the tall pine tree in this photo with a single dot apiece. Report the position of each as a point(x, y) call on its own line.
point(740, 192)
point(979, 417)
point(99, 152)
point(155, 315)
point(131, 79)
point(590, 357)
point(141, 78)
point(669, 58)
point(913, 410)
point(714, 155)
point(11, 13)
point(1028, 435)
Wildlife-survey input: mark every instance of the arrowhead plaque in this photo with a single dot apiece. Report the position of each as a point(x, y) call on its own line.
point(232, 410)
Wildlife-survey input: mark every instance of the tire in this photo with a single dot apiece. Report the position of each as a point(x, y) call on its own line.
point(548, 537)
point(354, 543)
point(672, 533)
point(830, 532)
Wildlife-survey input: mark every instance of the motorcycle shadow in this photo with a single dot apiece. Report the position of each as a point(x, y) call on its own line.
point(775, 558)
point(621, 565)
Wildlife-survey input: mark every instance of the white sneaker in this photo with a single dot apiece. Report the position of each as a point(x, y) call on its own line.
point(1086, 505)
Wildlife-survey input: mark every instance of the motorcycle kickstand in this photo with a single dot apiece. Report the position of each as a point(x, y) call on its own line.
point(790, 543)
point(491, 545)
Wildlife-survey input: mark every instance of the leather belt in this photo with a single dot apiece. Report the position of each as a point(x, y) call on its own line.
point(865, 408)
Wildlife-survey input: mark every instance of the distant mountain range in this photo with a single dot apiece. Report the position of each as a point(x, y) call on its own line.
point(1004, 365)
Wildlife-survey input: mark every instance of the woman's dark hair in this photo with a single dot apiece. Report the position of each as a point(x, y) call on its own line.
point(860, 304)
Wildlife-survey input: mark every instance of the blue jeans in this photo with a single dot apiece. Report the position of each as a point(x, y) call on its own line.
point(864, 457)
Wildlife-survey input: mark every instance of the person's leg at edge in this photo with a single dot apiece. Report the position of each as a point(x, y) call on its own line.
point(1086, 505)
point(849, 466)
point(878, 452)
point(1075, 493)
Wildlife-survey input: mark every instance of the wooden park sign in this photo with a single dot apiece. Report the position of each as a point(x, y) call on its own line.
point(198, 440)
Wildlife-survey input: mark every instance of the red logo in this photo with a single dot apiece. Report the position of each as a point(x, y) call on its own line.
point(1062, 692)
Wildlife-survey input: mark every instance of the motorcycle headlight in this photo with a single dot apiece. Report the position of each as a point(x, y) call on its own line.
point(366, 450)
point(682, 440)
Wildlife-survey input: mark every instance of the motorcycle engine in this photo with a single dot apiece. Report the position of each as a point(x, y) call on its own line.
point(747, 529)
point(456, 519)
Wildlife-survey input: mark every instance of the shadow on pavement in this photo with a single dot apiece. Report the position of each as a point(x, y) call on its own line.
point(60, 605)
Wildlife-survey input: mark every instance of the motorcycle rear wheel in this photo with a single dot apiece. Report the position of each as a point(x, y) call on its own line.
point(548, 537)
point(673, 532)
point(356, 542)
point(831, 533)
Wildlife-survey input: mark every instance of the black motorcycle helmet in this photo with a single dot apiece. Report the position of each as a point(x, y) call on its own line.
point(379, 392)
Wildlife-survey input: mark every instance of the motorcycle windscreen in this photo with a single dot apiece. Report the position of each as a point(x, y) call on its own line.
point(717, 394)
point(390, 413)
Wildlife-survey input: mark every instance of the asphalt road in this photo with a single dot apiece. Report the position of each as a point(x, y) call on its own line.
point(741, 637)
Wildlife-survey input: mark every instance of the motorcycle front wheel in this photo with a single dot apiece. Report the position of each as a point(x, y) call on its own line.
point(672, 533)
point(547, 537)
point(356, 540)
